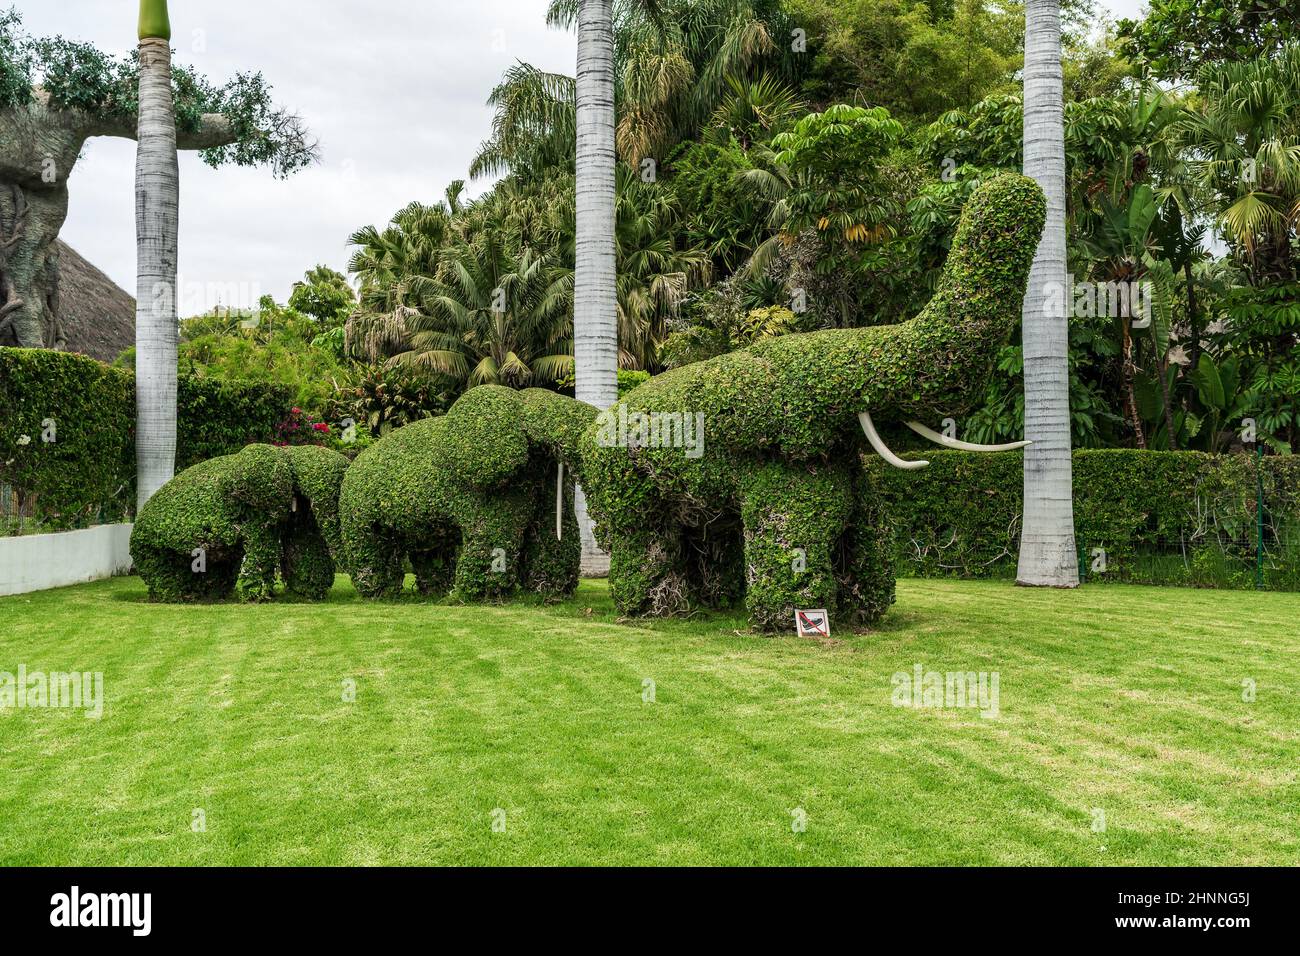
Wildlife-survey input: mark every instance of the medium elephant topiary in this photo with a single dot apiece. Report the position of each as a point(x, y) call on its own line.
point(766, 498)
point(470, 499)
point(229, 524)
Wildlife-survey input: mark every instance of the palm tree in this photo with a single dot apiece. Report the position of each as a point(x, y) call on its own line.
point(754, 110)
point(402, 269)
point(676, 61)
point(655, 271)
point(388, 263)
point(490, 318)
point(595, 302)
point(157, 198)
point(1047, 548)
point(533, 124)
point(1244, 137)
point(656, 268)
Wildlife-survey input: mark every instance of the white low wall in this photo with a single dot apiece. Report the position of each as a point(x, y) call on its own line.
point(38, 562)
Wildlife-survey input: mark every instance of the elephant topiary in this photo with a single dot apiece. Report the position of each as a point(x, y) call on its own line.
point(470, 499)
point(228, 524)
point(774, 504)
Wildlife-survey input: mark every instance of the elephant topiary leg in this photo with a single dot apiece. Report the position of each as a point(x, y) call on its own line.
point(380, 573)
point(373, 557)
point(867, 580)
point(793, 517)
point(491, 551)
point(305, 561)
point(647, 575)
point(171, 575)
point(162, 571)
point(261, 562)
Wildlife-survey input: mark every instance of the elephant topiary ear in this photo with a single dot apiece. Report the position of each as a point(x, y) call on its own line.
point(154, 23)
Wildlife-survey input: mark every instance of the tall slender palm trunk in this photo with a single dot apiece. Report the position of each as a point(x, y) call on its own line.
point(1047, 548)
point(1128, 369)
point(157, 197)
point(595, 306)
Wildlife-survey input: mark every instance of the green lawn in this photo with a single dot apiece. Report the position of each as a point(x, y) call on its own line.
point(1126, 699)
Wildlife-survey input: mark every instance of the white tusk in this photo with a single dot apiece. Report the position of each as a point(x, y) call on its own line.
point(559, 503)
point(882, 450)
point(947, 442)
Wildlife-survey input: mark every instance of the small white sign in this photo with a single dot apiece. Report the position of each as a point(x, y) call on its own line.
point(813, 623)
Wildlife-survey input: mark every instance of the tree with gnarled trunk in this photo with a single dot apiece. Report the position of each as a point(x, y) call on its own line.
point(1047, 548)
point(55, 95)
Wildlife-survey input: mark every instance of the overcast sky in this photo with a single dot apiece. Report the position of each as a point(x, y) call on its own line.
point(396, 91)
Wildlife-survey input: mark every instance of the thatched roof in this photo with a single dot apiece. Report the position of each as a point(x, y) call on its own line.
point(98, 316)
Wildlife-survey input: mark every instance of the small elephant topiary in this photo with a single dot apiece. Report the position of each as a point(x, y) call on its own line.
point(229, 524)
point(470, 499)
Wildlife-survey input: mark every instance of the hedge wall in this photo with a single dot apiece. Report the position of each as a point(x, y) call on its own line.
point(219, 417)
point(67, 430)
point(1160, 517)
point(91, 408)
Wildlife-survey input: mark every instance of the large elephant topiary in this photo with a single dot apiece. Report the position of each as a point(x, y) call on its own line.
point(740, 474)
point(229, 524)
point(470, 499)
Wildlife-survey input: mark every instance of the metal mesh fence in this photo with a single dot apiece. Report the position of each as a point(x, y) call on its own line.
point(21, 514)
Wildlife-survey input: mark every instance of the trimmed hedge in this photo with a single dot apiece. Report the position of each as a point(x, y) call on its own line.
point(468, 499)
point(90, 464)
point(1160, 517)
point(89, 467)
point(231, 523)
point(217, 416)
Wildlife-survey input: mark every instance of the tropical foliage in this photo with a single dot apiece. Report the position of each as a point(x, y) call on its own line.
point(782, 170)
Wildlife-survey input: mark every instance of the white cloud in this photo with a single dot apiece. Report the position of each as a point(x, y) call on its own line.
point(1125, 9)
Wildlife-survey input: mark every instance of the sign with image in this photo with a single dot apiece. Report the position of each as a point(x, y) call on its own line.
point(813, 623)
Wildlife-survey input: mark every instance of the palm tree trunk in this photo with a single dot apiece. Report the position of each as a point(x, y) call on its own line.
point(1047, 548)
point(1162, 369)
point(1193, 314)
point(1130, 394)
point(157, 195)
point(595, 317)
